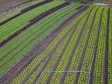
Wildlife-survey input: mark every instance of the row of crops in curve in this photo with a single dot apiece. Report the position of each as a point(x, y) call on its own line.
point(77, 52)
point(51, 55)
point(17, 23)
point(110, 49)
point(17, 47)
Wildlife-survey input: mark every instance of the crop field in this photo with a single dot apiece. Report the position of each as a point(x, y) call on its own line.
point(57, 42)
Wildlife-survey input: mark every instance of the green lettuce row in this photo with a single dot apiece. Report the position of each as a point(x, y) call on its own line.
point(42, 55)
point(74, 65)
point(90, 48)
point(110, 49)
point(8, 30)
point(34, 28)
point(54, 58)
point(64, 59)
point(26, 48)
point(99, 60)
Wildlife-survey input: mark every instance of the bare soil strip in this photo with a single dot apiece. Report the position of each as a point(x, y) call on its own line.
point(95, 49)
point(33, 22)
point(80, 7)
point(85, 46)
point(105, 67)
point(18, 67)
point(26, 10)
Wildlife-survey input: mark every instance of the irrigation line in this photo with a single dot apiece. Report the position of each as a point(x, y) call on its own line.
point(93, 57)
point(59, 72)
point(63, 71)
point(90, 69)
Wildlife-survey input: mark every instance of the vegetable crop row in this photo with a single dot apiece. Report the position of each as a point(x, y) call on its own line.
point(9, 29)
point(14, 56)
point(41, 56)
point(74, 62)
point(99, 60)
point(33, 28)
point(90, 47)
point(63, 61)
point(51, 63)
point(26, 69)
point(110, 49)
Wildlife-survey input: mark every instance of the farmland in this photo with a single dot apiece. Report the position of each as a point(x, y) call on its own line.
point(57, 42)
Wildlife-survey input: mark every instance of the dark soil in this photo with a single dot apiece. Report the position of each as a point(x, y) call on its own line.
point(34, 20)
point(25, 2)
point(80, 7)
